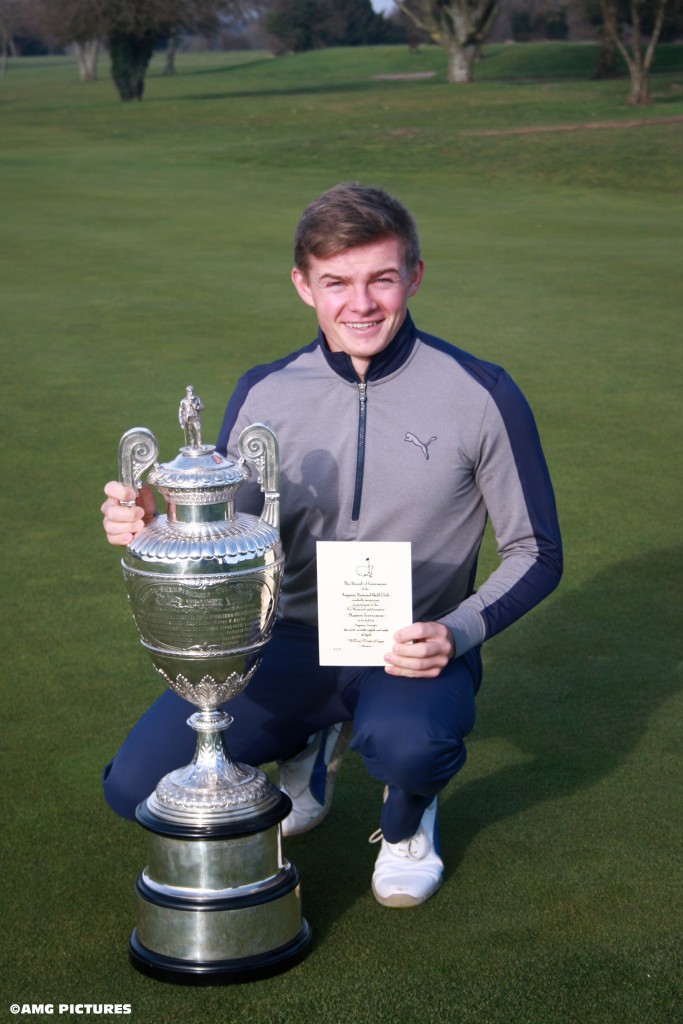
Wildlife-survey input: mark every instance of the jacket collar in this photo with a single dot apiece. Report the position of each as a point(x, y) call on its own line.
point(385, 362)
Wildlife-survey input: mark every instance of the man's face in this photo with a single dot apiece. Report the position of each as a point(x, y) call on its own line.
point(360, 297)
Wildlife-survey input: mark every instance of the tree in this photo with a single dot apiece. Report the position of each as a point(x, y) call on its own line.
point(362, 25)
point(80, 22)
point(171, 51)
point(460, 26)
point(627, 28)
point(607, 61)
point(18, 22)
point(300, 25)
point(134, 28)
point(87, 53)
point(9, 19)
point(534, 20)
point(130, 54)
point(44, 26)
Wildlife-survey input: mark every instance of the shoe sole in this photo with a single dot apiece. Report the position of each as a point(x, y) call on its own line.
point(402, 900)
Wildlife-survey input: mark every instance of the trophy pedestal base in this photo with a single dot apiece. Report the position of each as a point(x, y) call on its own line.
point(219, 972)
point(217, 903)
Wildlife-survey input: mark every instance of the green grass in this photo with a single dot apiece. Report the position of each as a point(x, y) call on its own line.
point(146, 247)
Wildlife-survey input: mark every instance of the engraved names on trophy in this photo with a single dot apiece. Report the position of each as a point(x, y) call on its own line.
point(222, 615)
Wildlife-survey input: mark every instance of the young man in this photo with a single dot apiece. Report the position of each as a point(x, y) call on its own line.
point(385, 433)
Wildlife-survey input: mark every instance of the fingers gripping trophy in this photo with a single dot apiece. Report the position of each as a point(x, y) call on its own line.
point(217, 901)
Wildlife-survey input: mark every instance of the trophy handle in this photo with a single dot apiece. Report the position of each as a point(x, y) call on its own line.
point(138, 450)
point(257, 444)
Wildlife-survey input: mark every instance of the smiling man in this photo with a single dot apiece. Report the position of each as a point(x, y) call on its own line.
point(360, 297)
point(385, 433)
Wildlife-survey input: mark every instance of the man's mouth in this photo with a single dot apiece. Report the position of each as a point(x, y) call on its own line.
point(362, 325)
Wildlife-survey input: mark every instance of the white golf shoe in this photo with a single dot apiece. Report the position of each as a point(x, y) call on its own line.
point(408, 873)
point(308, 778)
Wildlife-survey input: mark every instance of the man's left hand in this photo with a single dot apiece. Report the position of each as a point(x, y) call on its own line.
point(420, 650)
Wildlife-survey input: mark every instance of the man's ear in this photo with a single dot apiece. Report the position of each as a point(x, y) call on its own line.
point(416, 278)
point(300, 282)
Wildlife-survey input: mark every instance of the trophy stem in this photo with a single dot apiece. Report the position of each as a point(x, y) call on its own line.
point(212, 766)
point(212, 789)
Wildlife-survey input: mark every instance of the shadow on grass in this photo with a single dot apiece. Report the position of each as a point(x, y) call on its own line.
point(243, 94)
point(674, 94)
point(570, 689)
point(185, 71)
point(573, 691)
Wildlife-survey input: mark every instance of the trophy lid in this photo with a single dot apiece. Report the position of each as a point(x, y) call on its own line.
point(198, 474)
point(197, 468)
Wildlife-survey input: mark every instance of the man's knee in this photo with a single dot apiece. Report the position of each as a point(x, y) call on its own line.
point(415, 762)
point(120, 797)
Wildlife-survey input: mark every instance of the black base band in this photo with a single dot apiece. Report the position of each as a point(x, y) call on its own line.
point(258, 822)
point(219, 972)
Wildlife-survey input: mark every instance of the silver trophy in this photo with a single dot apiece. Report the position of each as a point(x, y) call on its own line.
point(217, 901)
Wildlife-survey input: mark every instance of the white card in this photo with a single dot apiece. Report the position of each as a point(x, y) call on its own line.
point(364, 596)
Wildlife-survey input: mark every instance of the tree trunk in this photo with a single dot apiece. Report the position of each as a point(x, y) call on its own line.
point(8, 49)
point(460, 26)
point(171, 50)
point(639, 95)
point(86, 54)
point(639, 62)
point(461, 62)
point(607, 61)
point(130, 57)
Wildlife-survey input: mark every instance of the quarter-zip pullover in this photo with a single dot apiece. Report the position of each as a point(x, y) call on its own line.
point(428, 445)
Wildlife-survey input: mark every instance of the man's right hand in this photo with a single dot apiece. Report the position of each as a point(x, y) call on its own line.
point(122, 522)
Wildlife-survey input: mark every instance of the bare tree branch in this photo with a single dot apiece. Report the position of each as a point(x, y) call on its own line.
point(638, 60)
point(460, 26)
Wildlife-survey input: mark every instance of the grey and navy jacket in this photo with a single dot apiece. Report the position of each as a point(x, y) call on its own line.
point(423, 450)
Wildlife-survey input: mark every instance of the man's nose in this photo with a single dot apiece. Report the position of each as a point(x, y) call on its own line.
point(362, 298)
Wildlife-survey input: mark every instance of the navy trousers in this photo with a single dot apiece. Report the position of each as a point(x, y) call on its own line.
point(409, 732)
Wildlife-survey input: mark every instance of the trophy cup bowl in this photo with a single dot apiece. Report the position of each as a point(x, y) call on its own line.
point(217, 901)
